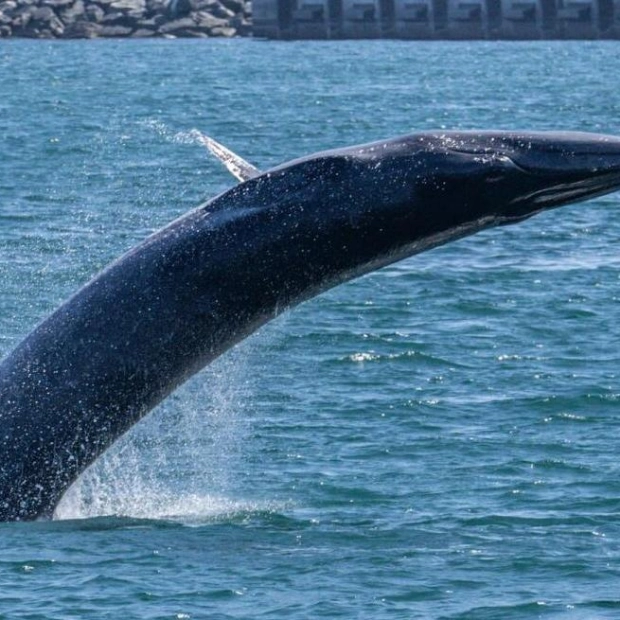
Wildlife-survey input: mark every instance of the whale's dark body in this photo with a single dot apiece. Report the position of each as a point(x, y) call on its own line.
point(190, 291)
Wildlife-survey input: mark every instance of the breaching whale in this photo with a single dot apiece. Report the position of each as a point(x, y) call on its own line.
point(189, 292)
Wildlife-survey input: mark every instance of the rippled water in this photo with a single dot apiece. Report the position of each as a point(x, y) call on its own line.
point(436, 440)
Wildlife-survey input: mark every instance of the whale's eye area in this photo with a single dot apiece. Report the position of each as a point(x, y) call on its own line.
point(499, 168)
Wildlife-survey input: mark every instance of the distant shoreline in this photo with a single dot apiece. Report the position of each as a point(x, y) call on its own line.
point(171, 19)
point(91, 19)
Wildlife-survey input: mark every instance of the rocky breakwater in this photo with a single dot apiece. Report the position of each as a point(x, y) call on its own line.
point(78, 19)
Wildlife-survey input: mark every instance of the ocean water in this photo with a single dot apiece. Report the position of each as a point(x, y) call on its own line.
point(438, 439)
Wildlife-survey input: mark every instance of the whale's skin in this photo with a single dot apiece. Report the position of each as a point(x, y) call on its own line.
point(192, 290)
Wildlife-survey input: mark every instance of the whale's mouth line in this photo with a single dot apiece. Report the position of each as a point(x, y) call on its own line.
point(577, 185)
point(528, 205)
point(567, 192)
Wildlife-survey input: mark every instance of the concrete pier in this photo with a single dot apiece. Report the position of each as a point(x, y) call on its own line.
point(436, 19)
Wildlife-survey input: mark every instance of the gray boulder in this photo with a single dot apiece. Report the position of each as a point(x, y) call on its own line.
point(177, 25)
point(94, 13)
point(207, 21)
point(21, 18)
point(142, 33)
point(114, 18)
point(82, 30)
point(44, 20)
point(203, 5)
point(56, 3)
point(73, 13)
point(43, 14)
point(156, 7)
point(152, 22)
point(7, 7)
point(223, 31)
point(115, 31)
point(129, 5)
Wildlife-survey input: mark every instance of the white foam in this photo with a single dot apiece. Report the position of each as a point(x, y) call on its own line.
point(192, 136)
point(182, 462)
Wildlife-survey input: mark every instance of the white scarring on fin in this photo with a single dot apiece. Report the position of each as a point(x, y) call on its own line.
point(236, 165)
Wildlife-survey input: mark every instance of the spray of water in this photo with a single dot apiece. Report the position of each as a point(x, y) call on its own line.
point(180, 463)
point(193, 136)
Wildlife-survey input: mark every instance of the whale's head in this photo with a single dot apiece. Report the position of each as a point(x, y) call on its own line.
point(510, 175)
point(429, 188)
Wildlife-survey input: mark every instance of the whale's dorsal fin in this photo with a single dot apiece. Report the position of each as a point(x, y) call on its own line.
point(236, 165)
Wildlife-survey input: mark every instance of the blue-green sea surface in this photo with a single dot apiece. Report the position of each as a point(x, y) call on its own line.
point(439, 439)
